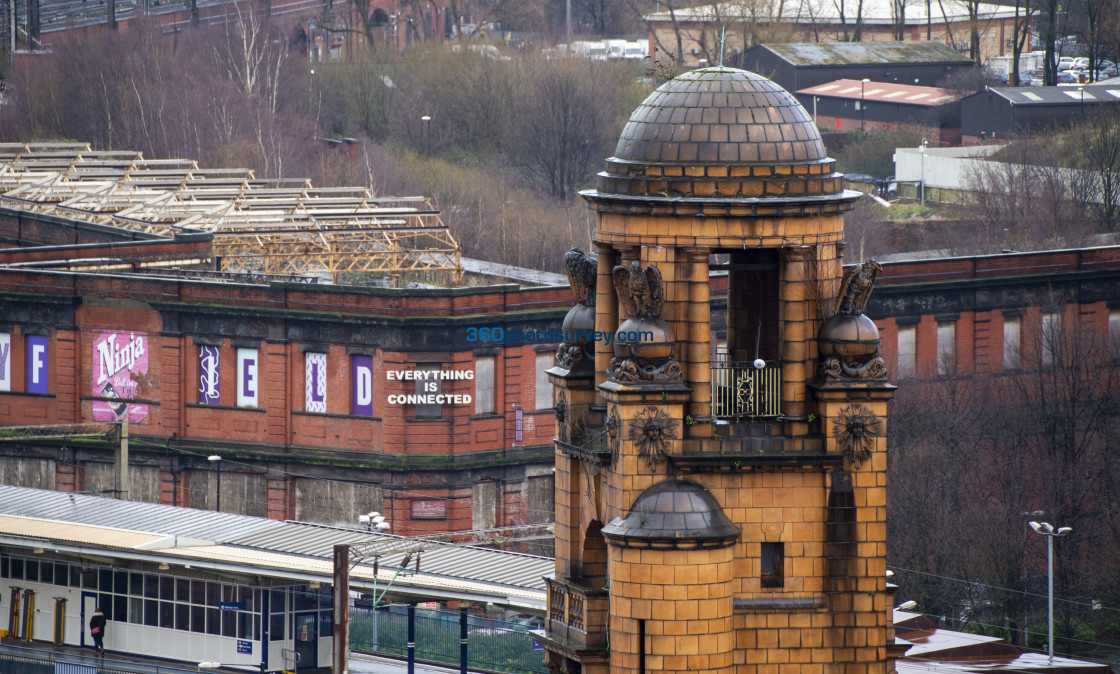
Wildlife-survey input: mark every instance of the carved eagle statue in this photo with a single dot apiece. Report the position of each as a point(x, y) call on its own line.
point(640, 292)
point(856, 287)
point(582, 269)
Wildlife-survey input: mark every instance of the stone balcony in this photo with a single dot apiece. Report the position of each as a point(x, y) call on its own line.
point(577, 615)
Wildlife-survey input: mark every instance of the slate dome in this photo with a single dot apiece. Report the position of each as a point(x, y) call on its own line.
point(720, 115)
point(673, 513)
point(719, 133)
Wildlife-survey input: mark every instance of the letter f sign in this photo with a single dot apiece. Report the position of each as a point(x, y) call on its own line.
point(37, 363)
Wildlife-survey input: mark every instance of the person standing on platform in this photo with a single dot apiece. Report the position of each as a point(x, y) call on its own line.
point(97, 631)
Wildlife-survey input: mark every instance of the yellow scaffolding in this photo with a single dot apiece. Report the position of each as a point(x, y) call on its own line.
point(280, 226)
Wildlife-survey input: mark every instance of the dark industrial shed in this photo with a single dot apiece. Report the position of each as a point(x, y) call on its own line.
point(800, 65)
point(1005, 112)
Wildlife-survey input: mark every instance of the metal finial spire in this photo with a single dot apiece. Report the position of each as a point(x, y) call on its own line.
point(722, 38)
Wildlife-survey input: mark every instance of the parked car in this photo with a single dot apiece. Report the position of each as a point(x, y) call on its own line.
point(859, 178)
point(1033, 78)
point(1067, 77)
point(1023, 79)
point(1080, 63)
point(1105, 69)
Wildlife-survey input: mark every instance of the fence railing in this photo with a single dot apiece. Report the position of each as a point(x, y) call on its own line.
point(741, 390)
point(492, 645)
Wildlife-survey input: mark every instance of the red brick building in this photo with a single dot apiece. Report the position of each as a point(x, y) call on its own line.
point(290, 382)
point(994, 313)
point(307, 392)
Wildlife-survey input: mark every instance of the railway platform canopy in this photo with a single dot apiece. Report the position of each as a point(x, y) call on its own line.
point(197, 586)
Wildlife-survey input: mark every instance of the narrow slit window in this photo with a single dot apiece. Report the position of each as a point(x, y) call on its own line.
point(771, 565)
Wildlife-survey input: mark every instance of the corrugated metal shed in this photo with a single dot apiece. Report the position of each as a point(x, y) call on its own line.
point(1074, 94)
point(44, 516)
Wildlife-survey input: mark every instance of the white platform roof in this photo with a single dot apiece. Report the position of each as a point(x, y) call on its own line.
point(285, 550)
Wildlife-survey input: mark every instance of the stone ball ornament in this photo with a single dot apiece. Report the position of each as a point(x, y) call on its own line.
point(849, 341)
point(849, 348)
point(578, 353)
point(644, 344)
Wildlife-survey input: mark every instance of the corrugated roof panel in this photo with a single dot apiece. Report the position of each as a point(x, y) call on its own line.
point(244, 556)
point(497, 566)
point(133, 515)
point(75, 533)
point(1063, 94)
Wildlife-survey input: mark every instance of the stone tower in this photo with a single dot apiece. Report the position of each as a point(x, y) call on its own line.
point(720, 508)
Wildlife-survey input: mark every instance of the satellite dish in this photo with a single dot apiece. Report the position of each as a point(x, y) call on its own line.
point(759, 363)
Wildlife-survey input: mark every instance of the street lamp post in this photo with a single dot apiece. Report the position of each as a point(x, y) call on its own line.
point(922, 187)
point(427, 119)
point(862, 104)
point(217, 461)
point(311, 94)
point(374, 521)
point(1047, 530)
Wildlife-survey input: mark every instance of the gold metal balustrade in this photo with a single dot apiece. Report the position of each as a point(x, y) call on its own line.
point(742, 391)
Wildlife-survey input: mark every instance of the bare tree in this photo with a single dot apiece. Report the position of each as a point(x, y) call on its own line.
point(857, 30)
point(1048, 10)
point(1021, 31)
point(974, 456)
point(675, 50)
point(898, 19)
point(564, 116)
point(1099, 136)
point(1024, 201)
point(250, 53)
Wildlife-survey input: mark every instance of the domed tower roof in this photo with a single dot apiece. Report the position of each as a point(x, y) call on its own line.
point(722, 134)
point(674, 513)
point(720, 116)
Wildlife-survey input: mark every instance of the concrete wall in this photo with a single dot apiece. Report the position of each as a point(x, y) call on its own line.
point(951, 173)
